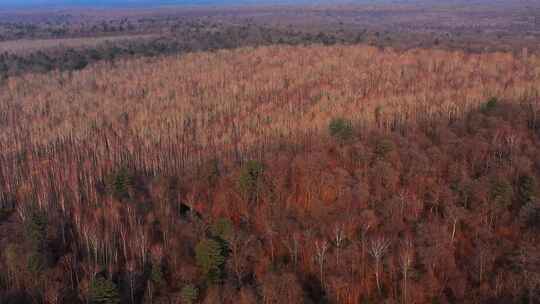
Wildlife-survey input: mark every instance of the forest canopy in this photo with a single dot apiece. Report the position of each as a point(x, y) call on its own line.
point(278, 174)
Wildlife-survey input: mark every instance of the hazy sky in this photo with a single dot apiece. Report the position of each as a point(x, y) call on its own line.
point(143, 3)
point(105, 3)
point(85, 2)
point(48, 3)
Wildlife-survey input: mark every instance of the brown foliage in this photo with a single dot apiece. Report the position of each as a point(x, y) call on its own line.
point(118, 158)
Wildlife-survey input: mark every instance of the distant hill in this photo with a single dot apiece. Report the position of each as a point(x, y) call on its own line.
point(140, 3)
point(156, 3)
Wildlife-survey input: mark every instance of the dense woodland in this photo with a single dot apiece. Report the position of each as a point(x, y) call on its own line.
point(40, 41)
point(322, 174)
point(180, 38)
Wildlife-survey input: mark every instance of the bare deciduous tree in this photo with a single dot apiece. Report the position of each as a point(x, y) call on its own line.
point(339, 238)
point(378, 247)
point(320, 256)
point(529, 262)
point(454, 215)
point(239, 245)
point(406, 258)
point(292, 244)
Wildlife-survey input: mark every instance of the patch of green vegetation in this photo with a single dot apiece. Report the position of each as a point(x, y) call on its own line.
point(210, 258)
point(36, 230)
point(341, 129)
point(189, 294)
point(501, 192)
point(221, 228)
point(250, 180)
point(527, 189)
point(103, 291)
point(383, 147)
point(156, 274)
point(36, 263)
point(490, 105)
point(120, 183)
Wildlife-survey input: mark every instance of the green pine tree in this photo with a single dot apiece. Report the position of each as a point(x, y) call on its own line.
point(36, 263)
point(189, 294)
point(210, 258)
point(501, 192)
point(156, 274)
point(119, 183)
point(36, 230)
point(341, 129)
point(527, 189)
point(221, 228)
point(103, 291)
point(250, 181)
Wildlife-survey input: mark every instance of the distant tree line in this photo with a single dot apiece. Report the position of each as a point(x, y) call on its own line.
point(189, 37)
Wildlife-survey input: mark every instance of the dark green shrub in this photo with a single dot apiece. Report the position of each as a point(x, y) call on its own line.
point(221, 228)
point(210, 258)
point(490, 105)
point(341, 129)
point(36, 230)
point(527, 189)
point(383, 147)
point(103, 291)
point(250, 180)
point(501, 192)
point(36, 263)
point(189, 294)
point(119, 184)
point(530, 215)
point(156, 274)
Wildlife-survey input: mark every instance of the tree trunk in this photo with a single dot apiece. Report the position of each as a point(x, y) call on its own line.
point(454, 230)
point(377, 276)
